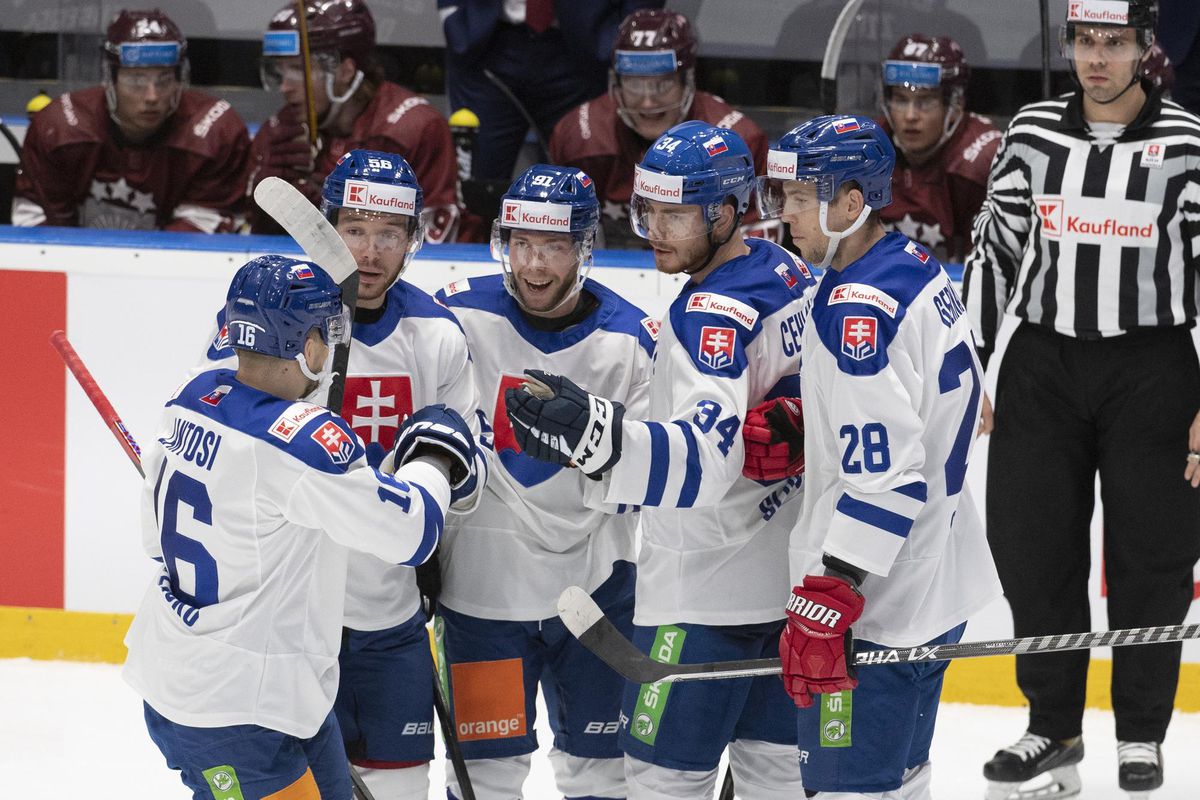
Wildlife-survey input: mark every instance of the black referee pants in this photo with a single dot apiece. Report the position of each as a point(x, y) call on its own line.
point(1065, 409)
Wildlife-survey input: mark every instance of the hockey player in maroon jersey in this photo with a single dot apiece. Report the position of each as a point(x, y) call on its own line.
point(142, 150)
point(652, 86)
point(355, 109)
point(943, 151)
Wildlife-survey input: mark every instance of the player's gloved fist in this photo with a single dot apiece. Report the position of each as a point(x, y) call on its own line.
point(774, 438)
point(554, 420)
point(439, 430)
point(816, 646)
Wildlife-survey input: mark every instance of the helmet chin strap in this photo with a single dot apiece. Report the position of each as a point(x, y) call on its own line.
point(336, 101)
point(836, 237)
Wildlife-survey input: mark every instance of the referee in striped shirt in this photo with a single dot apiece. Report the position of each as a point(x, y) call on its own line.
point(1090, 236)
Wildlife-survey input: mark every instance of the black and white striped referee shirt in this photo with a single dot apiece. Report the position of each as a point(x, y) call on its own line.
point(1090, 239)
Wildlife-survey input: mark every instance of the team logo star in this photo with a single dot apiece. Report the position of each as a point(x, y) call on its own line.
point(928, 235)
point(142, 201)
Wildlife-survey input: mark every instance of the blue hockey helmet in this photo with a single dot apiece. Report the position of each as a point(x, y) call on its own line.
point(693, 163)
point(372, 183)
point(274, 301)
point(830, 152)
point(549, 199)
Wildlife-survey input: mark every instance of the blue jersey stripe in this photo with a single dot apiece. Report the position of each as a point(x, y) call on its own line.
point(875, 516)
point(917, 490)
point(691, 476)
point(660, 464)
point(434, 522)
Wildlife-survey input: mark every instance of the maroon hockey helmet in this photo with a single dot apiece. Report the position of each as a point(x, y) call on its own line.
point(344, 27)
point(1157, 68)
point(919, 61)
point(654, 41)
point(144, 39)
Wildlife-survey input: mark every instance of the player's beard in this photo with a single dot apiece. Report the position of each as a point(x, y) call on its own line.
point(548, 301)
point(681, 255)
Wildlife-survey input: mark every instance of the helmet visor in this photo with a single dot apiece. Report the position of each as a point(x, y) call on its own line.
point(779, 196)
point(1099, 43)
point(666, 222)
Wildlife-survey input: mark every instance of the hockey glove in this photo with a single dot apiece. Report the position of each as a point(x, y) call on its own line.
point(555, 420)
point(774, 438)
point(816, 645)
point(436, 429)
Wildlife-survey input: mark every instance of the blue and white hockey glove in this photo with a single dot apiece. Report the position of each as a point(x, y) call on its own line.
point(439, 430)
point(554, 420)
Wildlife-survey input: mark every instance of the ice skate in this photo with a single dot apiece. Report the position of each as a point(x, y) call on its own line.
point(1031, 757)
point(1140, 768)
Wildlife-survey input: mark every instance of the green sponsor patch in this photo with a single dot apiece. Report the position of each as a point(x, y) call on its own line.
point(652, 699)
point(835, 719)
point(223, 781)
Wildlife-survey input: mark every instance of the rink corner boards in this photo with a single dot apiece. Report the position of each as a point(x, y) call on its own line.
point(49, 634)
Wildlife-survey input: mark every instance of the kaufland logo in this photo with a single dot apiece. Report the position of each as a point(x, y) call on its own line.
point(655, 186)
point(781, 165)
point(536, 216)
point(868, 295)
point(1101, 12)
point(1091, 221)
point(378, 197)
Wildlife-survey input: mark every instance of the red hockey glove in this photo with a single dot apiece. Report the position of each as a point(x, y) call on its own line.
point(816, 642)
point(774, 437)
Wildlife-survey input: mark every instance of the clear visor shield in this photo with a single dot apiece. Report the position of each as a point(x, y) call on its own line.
point(558, 252)
point(1099, 44)
point(652, 94)
point(378, 230)
point(667, 222)
point(779, 196)
point(273, 71)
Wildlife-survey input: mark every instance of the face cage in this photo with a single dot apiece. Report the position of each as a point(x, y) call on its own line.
point(640, 212)
point(415, 227)
point(183, 72)
point(683, 106)
point(584, 242)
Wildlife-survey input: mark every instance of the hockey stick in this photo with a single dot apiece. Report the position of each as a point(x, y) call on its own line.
point(94, 393)
point(833, 55)
point(83, 377)
point(321, 243)
point(310, 106)
point(597, 633)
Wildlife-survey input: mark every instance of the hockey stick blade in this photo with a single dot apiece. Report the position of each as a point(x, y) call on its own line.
point(321, 243)
point(307, 225)
point(597, 633)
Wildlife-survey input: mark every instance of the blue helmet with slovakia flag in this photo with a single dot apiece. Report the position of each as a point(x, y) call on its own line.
point(549, 199)
point(830, 152)
point(274, 301)
point(374, 184)
point(693, 163)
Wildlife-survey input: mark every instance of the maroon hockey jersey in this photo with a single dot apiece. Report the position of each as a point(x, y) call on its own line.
point(78, 170)
point(394, 121)
point(935, 203)
point(593, 138)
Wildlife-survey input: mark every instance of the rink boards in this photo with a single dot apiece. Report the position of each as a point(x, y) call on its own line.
point(139, 307)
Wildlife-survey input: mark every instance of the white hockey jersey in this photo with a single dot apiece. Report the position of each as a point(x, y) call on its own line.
point(532, 535)
point(252, 502)
point(714, 544)
point(413, 355)
point(892, 391)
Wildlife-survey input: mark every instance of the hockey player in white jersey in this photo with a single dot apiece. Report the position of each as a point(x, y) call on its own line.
point(532, 536)
point(713, 559)
point(252, 502)
point(408, 352)
point(890, 540)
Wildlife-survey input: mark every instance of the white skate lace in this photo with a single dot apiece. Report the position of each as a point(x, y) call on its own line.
point(1137, 752)
point(1029, 746)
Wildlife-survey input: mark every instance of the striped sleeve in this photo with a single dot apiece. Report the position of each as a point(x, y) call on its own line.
point(999, 235)
point(693, 458)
